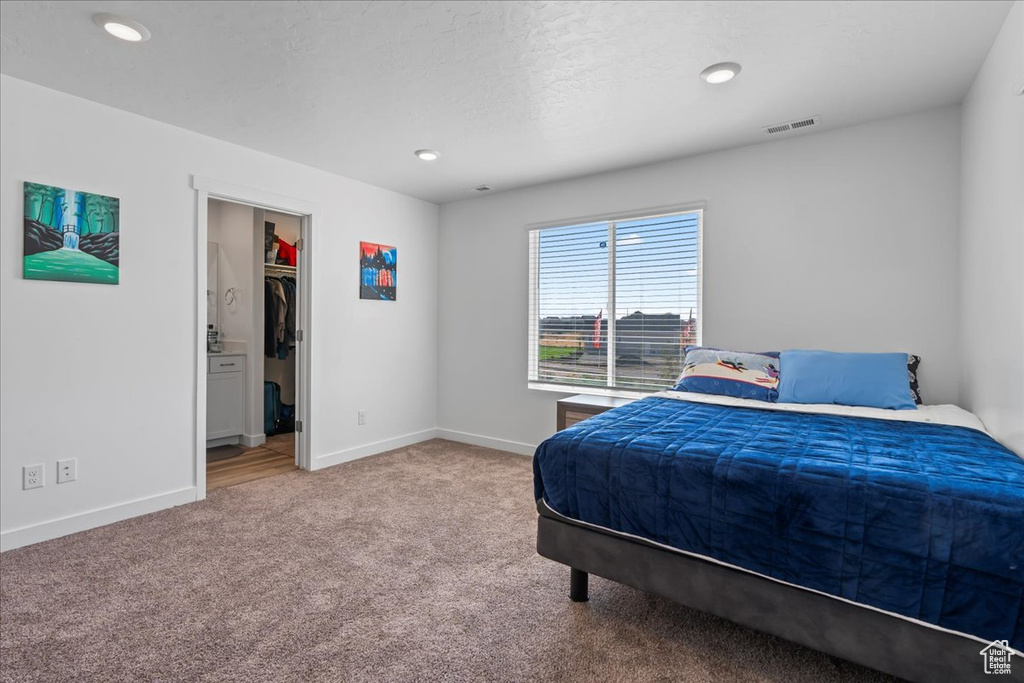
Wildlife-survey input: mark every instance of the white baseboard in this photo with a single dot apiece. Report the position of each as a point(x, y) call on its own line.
point(253, 440)
point(332, 459)
point(44, 531)
point(223, 441)
point(487, 441)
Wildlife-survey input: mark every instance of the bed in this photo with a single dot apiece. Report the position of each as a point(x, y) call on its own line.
point(894, 539)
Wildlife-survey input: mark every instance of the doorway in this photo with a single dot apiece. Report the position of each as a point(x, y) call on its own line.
point(253, 363)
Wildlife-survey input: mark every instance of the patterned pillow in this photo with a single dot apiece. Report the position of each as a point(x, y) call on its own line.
point(730, 373)
point(913, 362)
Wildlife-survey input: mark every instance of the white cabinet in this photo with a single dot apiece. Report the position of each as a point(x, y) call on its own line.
point(225, 396)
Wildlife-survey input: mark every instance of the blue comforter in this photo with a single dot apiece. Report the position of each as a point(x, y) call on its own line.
point(919, 519)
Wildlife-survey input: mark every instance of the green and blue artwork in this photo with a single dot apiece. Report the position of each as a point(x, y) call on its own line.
point(71, 236)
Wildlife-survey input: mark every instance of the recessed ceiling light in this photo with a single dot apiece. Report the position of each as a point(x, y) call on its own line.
point(720, 73)
point(122, 27)
point(427, 154)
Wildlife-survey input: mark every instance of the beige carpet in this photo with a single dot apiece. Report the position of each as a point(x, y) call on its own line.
point(413, 565)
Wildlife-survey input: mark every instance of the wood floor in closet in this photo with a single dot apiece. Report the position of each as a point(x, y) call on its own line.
point(276, 456)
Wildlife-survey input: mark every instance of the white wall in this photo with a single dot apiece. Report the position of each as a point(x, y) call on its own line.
point(992, 239)
point(106, 373)
point(841, 240)
point(231, 227)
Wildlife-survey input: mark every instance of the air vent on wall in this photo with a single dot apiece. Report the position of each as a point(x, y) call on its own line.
point(792, 125)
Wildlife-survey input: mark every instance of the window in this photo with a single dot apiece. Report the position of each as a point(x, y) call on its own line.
point(613, 304)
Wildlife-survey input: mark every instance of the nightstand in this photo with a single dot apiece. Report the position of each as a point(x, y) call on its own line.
point(578, 408)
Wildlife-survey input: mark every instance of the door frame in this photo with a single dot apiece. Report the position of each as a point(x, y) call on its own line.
point(211, 188)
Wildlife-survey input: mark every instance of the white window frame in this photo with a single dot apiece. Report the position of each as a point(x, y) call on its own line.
point(533, 309)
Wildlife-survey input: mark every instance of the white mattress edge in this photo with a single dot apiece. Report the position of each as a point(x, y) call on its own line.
point(771, 578)
point(945, 414)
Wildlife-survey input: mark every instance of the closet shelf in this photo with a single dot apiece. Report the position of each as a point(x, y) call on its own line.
point(276, 267)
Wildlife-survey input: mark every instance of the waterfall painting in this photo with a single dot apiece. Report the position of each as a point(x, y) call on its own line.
point(70, 235)
point(378, 268)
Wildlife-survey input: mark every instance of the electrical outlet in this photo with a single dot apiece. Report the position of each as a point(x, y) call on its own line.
point(67, 470)
point(362, 417)
point(33, 476)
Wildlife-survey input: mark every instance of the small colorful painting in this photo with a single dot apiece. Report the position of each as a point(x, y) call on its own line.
point(378, 266)
point(71, 236)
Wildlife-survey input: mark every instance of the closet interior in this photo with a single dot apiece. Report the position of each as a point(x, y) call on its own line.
point(253, 342)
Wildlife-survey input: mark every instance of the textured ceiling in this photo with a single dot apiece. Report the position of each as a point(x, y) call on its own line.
point(512, 93)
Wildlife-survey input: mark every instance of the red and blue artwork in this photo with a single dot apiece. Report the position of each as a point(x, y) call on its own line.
point(378, 272)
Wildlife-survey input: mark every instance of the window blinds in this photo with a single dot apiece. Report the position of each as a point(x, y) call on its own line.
point(613, 304)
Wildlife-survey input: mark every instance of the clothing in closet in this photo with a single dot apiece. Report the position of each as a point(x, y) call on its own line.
point(279, 297)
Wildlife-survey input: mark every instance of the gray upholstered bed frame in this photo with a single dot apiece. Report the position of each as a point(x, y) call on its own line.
point(889, 644)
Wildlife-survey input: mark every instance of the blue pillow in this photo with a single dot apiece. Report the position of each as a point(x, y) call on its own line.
point(876, 380)
point(730, 373)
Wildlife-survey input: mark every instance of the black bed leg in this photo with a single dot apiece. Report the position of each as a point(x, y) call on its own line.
point(578, 585)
